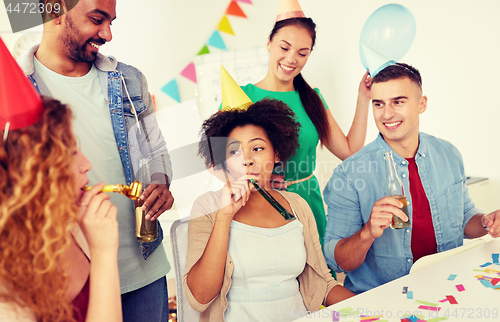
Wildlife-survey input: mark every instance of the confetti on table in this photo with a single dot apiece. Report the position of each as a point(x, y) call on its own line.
point(484, 277)
point(409, 295)
point(452, 277)
point(486, 283)
point(427, 303)
point(409, 315)
point(443, 300)
point(451, 299)
point(405, 289)
point(460, 287)
point(480, 270)
point(413, 318)
point(347, 312)
point(495, 258)
point(369, 318)
point(430, 308)
point(486, 264)
point(444, 318)
point(335, 316)
point(495, 281)
point(491, 270)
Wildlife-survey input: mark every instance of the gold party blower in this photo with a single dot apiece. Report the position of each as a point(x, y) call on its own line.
point(132, 192)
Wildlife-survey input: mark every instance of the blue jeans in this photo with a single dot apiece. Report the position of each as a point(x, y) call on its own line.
point(147, 304)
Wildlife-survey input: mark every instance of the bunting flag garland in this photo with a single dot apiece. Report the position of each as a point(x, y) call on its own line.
point(189, 72)
point(203, 51)
point(215, 40)
point(224, 26)
point(172, 90)
point(235, 10)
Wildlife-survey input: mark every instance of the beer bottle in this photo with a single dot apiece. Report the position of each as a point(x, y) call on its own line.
point(146, 230)
point(393, 187)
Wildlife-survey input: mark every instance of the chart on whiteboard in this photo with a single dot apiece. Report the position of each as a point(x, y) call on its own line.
point(245, 66)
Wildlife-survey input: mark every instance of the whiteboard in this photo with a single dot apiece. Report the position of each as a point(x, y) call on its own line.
point(245, 66)
point(180, 125)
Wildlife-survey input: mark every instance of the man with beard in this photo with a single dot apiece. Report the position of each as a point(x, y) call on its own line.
point(115, 124)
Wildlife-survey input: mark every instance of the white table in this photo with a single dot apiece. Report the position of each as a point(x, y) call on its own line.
point(431, 284)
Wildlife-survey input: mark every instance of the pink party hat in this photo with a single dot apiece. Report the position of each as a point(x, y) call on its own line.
point(289, 9)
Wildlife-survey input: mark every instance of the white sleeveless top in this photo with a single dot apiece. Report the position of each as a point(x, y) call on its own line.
point(267, 262)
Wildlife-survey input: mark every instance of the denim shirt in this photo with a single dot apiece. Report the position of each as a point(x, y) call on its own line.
point(131, 146)
point(356, 185)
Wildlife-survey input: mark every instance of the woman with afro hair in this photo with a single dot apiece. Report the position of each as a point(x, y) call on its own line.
point(246, 262)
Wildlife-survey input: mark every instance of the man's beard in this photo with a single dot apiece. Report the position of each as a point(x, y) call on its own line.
point(77, 51)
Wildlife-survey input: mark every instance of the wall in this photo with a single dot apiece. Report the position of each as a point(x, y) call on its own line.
point(456, 49)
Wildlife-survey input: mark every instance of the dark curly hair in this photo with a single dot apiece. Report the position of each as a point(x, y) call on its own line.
point(273, 116)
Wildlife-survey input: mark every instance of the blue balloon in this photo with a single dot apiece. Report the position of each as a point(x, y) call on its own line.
point(390, 31)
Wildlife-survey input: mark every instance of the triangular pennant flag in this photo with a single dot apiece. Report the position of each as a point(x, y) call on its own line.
point(154, 102)
point(235, 10)
point(245, 1)
point(225, 26)
point(204, 51)
point(189, 72)
point(216, 41)
point(375, 60)
point(172, 90)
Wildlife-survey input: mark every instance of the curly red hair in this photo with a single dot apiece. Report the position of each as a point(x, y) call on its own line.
point(37, 210)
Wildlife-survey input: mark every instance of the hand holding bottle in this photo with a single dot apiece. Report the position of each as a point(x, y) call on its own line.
point(382, 215)
point(393, 187)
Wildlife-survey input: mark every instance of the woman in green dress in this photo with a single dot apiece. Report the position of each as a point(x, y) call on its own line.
point(290, 44)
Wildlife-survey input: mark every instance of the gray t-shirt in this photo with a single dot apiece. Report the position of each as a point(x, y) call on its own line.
point(94, 132)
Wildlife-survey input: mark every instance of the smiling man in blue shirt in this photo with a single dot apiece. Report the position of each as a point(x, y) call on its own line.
point(357, 240)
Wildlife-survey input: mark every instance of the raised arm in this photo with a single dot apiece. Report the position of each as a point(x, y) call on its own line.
point(350, 252)
point(205, 277)
point(100, 227)
point(349, 232)
point(343, 146)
